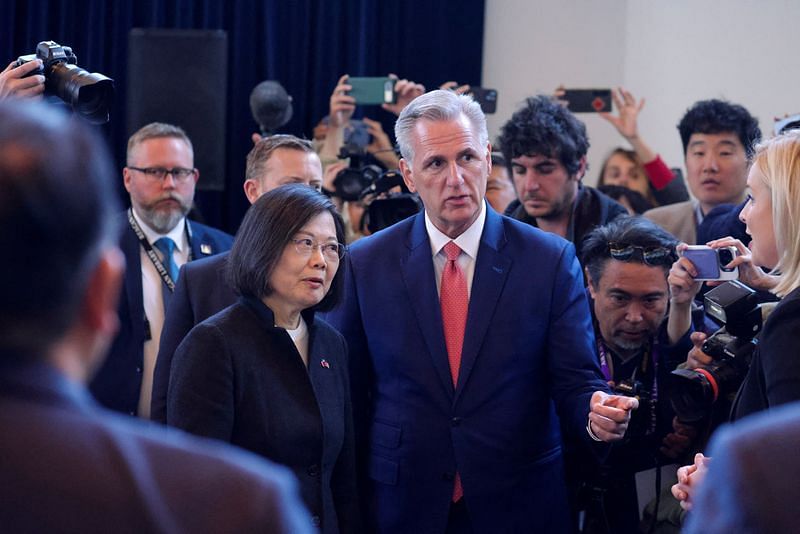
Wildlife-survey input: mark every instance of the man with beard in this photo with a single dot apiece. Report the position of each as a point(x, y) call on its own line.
point(546, 146)
point(157, 239)
point(626, 263)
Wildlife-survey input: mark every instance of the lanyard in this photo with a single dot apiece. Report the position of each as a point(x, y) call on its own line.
point(650, 354)
point(148, 249)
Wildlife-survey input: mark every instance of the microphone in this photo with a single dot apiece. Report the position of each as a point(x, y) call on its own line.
point(271, 106)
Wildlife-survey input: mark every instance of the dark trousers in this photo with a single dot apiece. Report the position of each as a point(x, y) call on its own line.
point(458, 521)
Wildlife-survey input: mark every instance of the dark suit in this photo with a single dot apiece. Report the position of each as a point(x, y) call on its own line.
point(68, 466)
point(201, 291)
point(119, 381)
point(751, 485)
point(528, 354)
point(238, 378)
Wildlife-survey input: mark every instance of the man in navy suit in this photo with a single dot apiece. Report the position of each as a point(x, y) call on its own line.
point(67, 465)
point(157, 239)
point(460, 420)
point(202, 289)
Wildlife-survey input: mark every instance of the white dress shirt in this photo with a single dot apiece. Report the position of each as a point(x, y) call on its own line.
point(154, 302)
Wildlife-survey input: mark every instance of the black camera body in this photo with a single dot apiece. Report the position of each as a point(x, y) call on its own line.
point(89, 94)
point(732, 346)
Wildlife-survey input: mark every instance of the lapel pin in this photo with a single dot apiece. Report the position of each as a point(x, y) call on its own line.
point(324, 363)
point(205, 248)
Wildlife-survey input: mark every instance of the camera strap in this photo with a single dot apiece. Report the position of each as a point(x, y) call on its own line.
point(148, 249)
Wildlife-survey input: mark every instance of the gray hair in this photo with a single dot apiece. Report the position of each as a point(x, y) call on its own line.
point(439, 105)
point(156, 130)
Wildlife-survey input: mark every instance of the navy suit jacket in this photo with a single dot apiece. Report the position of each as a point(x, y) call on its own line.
point(67, 465)
point(528, 355)
point(751, 485)
point(119, 380)
point(201, 291)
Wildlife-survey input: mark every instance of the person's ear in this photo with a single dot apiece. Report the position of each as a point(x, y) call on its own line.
point(99, 311)
point(582, 165)
point(252, 190)
point(590, 282)
point(408, 176)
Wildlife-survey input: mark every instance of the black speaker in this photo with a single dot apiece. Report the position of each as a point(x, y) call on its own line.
point(180, 77)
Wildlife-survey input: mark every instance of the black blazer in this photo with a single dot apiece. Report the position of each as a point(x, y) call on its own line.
point(238, 378)
point(201, 291)
point(119, 380)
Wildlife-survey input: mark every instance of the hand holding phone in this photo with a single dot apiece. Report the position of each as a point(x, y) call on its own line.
point(372, 91)
point(710, 262)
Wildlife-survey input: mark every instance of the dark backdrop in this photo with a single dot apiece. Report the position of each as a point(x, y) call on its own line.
point(305, 44)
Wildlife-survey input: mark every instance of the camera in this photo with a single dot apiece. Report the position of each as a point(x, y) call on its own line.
point(89, 94)
point(641, 419)
point(695, 390)
point(372, 186)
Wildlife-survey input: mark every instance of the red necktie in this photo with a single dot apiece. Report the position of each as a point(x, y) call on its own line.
point(454, 300)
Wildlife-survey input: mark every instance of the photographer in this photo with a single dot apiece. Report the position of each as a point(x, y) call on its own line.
point(18, 82)
point(772, 216)
point(626, 264)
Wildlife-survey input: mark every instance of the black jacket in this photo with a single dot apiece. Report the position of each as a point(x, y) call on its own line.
point(238, 378)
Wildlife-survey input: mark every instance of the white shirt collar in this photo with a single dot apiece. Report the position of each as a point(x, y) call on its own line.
point(176, 234)
point(469, 241)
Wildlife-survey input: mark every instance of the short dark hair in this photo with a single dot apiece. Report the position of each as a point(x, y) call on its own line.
point(57, 206)
point(625, 231)
point(268, 226)
point(718, 116)
point(545, 127)
point(260, 153)
point(637, 201)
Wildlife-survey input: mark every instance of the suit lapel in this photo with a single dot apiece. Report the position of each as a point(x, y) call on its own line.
point(419, 279)
point(133, 279)
point(491, 270)
point(202, 245)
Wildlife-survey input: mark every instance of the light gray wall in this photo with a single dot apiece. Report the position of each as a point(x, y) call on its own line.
point(673, 53)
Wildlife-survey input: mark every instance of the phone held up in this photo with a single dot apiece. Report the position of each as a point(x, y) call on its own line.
point(487, 98)
point(587, 100)
point(710, 262)
point(372, 91)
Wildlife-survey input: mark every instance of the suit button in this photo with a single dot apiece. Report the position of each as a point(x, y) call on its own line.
point(139, 370)
point(313, 470)
point(455, 421)
point(315, 520)
point(448, 476)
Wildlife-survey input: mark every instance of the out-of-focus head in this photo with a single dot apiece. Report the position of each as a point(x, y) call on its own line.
point(446, 157)
point(546, 146)
point(772, 213)
point(278, 160)
point(266, 244)
point(160, 199)
point(57, 207)
point(718, 139)
point(623, 168)
point(500, 187)
point(627, 262)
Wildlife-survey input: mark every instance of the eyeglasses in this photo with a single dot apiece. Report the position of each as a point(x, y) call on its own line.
point(653, 256)
point(158, 174)
point(331, 251)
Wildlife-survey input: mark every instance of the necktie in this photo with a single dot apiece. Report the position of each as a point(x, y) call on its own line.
point(166, 246)
point(454, 300)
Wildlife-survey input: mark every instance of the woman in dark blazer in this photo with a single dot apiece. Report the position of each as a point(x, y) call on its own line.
point(264, 373)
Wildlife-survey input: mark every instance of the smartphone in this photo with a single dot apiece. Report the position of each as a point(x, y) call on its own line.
point(487, 98)
point(587, 100)
point(372, 91)
point(710, 262)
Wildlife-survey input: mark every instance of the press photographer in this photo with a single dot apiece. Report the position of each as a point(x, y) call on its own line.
point(772, 216)
point(626, 264)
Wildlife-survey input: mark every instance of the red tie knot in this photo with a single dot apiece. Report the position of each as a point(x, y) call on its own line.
point(452, 251)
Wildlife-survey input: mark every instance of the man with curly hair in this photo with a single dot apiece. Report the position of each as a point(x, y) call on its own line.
point(546, 146)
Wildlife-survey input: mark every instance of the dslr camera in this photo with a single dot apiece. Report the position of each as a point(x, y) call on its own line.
point(374, 187)
point(694, 391)
point(640, 420)
point(89, 94)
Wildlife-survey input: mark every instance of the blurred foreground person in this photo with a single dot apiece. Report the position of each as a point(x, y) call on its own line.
point(67, 465)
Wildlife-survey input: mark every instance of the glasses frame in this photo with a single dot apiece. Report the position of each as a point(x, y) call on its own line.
point(159, 174)
point(300, 246)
